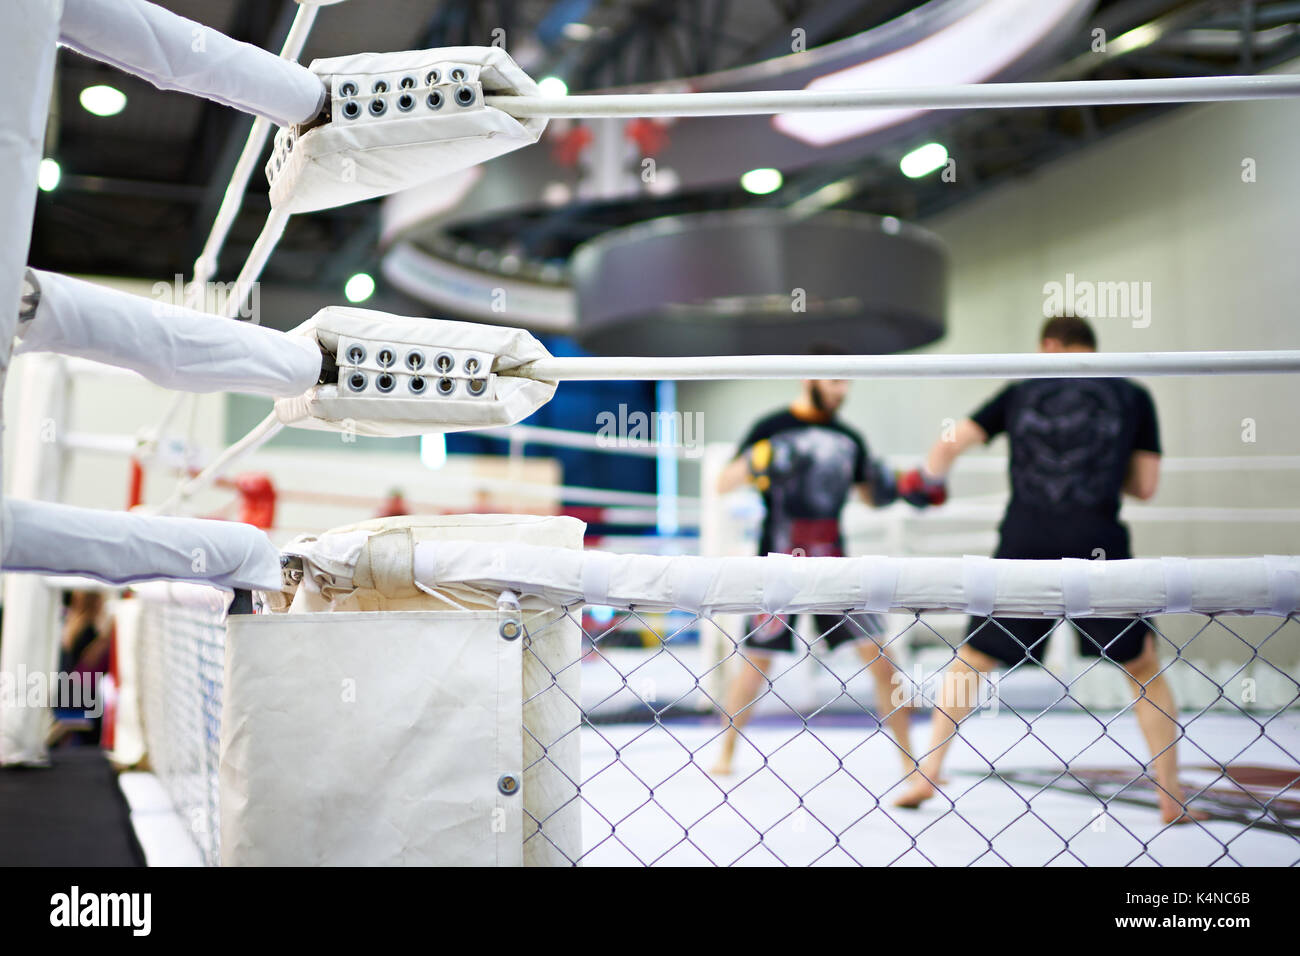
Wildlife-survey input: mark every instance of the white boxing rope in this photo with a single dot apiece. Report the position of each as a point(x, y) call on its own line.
point(1035, 589)
point(120, 547)
point(997, 365)
point(174, 53)
point(169, 345)
point(1192, 89)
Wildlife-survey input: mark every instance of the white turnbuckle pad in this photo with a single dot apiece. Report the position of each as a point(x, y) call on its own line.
point(397, 375)
point(396, 120)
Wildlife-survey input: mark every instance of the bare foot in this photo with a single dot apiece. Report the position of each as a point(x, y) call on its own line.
point(916, 794)
point(721, 769)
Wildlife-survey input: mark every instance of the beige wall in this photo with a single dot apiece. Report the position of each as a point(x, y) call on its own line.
point(1163, 204)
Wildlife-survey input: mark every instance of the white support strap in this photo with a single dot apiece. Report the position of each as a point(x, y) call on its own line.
point(119, 547)
point(174, 53)
point(168, 344)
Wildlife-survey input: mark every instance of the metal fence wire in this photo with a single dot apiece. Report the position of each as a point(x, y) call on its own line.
point(1052, 765)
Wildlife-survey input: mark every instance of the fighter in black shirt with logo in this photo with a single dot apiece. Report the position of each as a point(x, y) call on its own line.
point(805, 462)
point(1077, 445)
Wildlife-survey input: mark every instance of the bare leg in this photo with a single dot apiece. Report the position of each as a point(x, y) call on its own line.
point(741, 692)
point(957, 697)
point(1156, 713)
point(896, 716)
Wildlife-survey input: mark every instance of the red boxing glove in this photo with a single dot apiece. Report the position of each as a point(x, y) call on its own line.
point(920, 489)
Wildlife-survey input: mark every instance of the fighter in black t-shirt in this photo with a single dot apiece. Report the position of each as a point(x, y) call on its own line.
point(805, 462)
point(1077, 445)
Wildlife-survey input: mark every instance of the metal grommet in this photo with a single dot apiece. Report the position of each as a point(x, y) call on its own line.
point(351, 109)
point(471, 365)
point(434, 100)
point(510, 628)
point(477, 386)
point(508, 784)
point(381, 86)
point(385, 382)
point(433, 77)
point(356, 354)
point(457, 75)
point(386, 357)
point(415, 360)
point(377, 107)
point(446, 386)
point(357, 381)
point(444, 362)
point(464, 95)
point(406, 83)
point(417, 385)
point(347, 88)
point(406, 102)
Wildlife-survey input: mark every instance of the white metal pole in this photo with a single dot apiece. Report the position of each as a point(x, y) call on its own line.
point(1191, 89)
point(1028, 365)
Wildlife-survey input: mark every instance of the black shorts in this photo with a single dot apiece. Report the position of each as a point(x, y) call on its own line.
point(776, 632)
point(1012, 639)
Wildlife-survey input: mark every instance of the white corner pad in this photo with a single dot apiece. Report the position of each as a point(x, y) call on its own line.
point(171, 346)
point(362, 154)
point(504, 400)
point(174, 53)
point(118, 547)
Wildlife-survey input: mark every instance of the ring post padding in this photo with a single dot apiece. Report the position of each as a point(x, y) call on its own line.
point(444, 706)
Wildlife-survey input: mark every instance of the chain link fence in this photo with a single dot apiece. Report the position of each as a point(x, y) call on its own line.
point(1053, 765)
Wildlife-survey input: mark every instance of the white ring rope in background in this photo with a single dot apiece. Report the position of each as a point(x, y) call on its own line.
point(1191, 89)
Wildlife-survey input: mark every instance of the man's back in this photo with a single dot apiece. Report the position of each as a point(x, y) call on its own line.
point(1072, 440)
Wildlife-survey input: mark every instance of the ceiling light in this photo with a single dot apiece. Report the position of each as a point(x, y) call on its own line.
point(103, 100)
point(923, 160)
point(760, 182)
point(47, 176)
point(553, 86)
point(359, 288)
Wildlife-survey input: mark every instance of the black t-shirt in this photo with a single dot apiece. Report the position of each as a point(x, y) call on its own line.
point(1071, 443)
point(814, 466)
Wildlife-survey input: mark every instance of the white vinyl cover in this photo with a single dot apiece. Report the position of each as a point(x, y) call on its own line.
point(465, 570)
point(371, 724)
point(171, 346)
point(370, 739)
point(119, 547)
point(350, 159)
point(506, 400)
point(174, 53)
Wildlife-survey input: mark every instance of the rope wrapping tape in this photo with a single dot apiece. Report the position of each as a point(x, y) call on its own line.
point(979, 581)
point(690, 582)
point(879, 582)
point(595, 577)
point(779, 585)
point(1178, 585)
point(1283, 586)
point(1075, 592)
